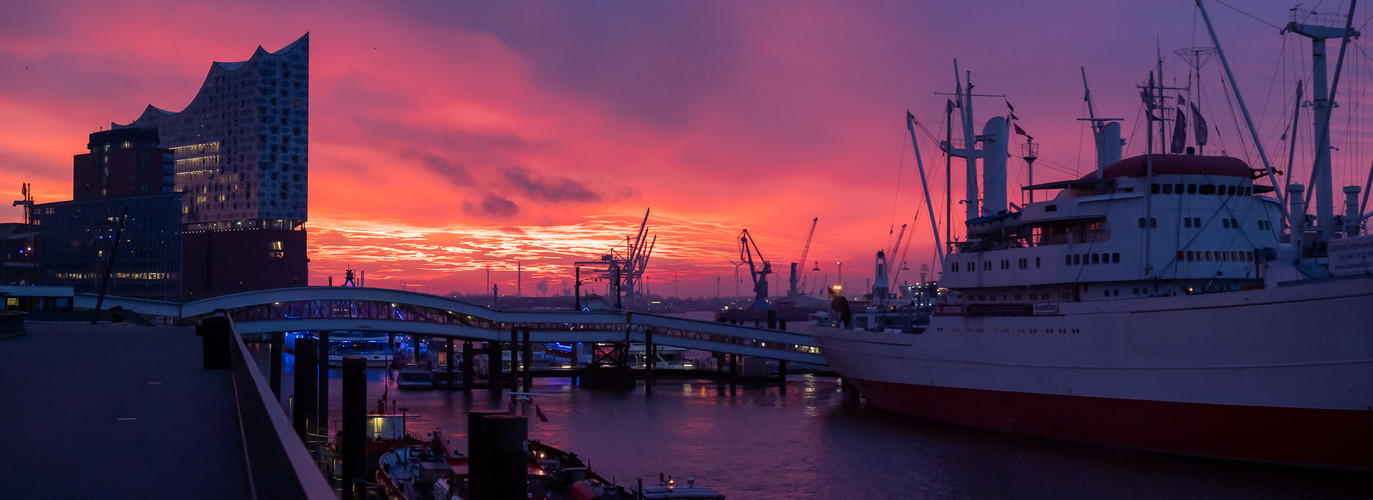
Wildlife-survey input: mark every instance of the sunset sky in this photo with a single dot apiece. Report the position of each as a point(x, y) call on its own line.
point(449, 137)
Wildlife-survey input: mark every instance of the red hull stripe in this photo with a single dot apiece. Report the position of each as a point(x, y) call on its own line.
point(1326, 438)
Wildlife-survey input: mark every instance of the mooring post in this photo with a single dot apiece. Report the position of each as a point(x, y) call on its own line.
point(467, 355)
point(479, 454)
point(782, 376)
point(505, 436)
point(449, 361)
point(303, 397)
point(352, 442)
point(322, 407)
point(514, 357)
point(733, 373)
point(650, 359)
point(494, 367)
point(526, 362)
point(278, 345)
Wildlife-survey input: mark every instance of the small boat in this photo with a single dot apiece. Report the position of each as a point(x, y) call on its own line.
point(371, 346)
point(440, 376)
point(668, 358)
point(431, 471)
point(565, 476)
point(668, 488)
point(414, 377)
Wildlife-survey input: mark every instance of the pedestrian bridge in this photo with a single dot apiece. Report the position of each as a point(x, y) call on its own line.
point(396, 311)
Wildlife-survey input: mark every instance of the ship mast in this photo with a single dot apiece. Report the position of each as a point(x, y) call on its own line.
point(1320, 98)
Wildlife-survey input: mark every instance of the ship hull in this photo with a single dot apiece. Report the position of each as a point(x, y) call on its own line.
point(1277, 375)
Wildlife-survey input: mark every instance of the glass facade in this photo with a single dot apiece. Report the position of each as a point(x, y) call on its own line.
point(76, 240)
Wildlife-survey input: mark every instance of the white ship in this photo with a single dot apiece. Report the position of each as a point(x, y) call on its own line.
point(1163, 302)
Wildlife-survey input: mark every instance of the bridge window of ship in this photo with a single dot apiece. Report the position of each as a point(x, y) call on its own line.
point(1191, 189)
point(1208, 189)
point(1167, 189)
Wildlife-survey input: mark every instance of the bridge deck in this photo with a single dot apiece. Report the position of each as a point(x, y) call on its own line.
point(116, 411)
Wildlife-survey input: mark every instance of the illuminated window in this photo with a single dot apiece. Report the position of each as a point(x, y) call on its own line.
point(275, 245)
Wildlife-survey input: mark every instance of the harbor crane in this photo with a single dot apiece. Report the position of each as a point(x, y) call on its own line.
point(799, 267)
point(625, 271)
point(747, 249)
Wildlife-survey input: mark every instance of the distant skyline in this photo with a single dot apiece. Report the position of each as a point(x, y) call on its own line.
point(449, 137)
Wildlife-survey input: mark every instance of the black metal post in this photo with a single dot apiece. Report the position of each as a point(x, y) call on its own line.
point(479, 454)
point(526, 362)
point(278, 344)
point(577, 291)
point(733, 373)
point(322, 408)
point(514, 357)
point(505, 436)
point(467, 356)
point(353, 441)
point(782, 376)
point(772, 319)
point(305, 392)
point(449, 361)
point(494, 367)
point(650, 359)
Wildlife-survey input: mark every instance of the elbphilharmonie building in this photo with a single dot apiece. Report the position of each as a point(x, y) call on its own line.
point(240, 153)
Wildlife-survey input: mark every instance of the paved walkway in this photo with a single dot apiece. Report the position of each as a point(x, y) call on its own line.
point(115, 411)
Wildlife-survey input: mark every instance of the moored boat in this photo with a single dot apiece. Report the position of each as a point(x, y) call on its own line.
point(414, 377)
point(1164, 302)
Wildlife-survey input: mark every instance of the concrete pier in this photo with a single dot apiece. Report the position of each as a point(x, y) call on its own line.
point(117, 411)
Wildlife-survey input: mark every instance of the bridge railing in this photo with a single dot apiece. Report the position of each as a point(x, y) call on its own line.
point(277, 463)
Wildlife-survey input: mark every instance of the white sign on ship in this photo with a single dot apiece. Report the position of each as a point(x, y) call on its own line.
point(1351, 255)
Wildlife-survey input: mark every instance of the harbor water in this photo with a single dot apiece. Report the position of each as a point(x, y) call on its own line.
point(757, 441)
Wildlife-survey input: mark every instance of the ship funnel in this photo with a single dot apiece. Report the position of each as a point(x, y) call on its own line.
point(996, 140)
point(1351, 211)
point(1298, 219)
point(1108, 145)
point(880, 285)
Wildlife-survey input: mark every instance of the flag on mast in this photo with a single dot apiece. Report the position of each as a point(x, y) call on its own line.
point(1179, 132)
point(1200, 124)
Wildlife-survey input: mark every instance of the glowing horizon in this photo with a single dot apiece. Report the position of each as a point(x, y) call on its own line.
point(446, 138)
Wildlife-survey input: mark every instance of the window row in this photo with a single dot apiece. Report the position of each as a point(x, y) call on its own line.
point(1215, 255)
point(1215, 189)
point(1091, 258)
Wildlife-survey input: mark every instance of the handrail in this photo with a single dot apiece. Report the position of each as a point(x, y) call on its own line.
point(276, 461)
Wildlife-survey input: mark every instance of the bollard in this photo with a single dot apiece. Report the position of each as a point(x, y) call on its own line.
point(353, 436)
point(305, 392)
point(215, 332)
